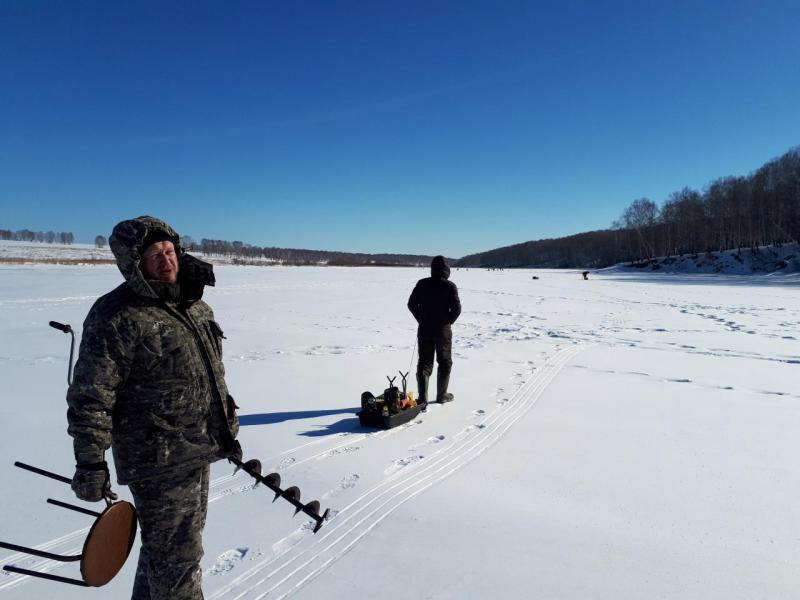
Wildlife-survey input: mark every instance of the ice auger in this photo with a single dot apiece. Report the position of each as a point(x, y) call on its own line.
point(291, 494)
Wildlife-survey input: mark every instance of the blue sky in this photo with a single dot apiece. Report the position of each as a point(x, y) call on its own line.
point(419, 127)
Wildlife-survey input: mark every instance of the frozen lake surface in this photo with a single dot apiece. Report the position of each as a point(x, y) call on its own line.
point(629, 436)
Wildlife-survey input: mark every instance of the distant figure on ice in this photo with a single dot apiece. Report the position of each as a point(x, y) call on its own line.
point(585, 275)
point(149, 383)
point(435, 305)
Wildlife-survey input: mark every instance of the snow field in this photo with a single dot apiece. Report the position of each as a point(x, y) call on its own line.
point(609, 437)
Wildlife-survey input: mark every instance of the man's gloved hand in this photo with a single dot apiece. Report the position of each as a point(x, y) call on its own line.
point(92, 482)
point(235, 452)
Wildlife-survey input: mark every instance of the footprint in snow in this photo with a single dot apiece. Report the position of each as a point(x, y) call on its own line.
point(337, 451)
point(467, 430)
point(502, 400)
point(285, 463)
point(227, 561)
point(431, 440)
point(679, 380)
point(345, 484)
point(293, 538)
point(479, 412)
point(238, 490)
point(402, 463)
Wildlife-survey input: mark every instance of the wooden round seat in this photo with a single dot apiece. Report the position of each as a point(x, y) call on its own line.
point(108, 544)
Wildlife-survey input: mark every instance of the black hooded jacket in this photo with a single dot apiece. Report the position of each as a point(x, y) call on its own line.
point(434, 301)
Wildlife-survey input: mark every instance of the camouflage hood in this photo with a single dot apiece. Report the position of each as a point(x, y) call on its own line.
point(126, 244)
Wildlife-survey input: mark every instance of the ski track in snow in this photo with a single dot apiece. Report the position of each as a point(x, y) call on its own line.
point(483, 329)
point(507, 326)
point(233, 484)
point(294, 564)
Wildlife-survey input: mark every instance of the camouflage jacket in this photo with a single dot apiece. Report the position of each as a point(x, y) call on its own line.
point(149, 380)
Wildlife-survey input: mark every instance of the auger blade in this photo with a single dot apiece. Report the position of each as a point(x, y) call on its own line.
point(251, 466)
point(312, 508)
point(273, 480)
point(292, 492)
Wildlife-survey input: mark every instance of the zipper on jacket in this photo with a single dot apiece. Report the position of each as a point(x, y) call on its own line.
point(190, 324)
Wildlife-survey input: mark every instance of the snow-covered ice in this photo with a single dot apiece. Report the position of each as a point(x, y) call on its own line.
point(630, 436)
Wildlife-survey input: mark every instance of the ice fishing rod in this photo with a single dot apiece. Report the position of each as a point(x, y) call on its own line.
point(66, 329)
point(105, 550)
point(413, 352)
point(291, 494)
point(405, 377)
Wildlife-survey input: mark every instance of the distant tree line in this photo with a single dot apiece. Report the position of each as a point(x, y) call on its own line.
point(240, 252)
point(47, 237)
point(730, 213)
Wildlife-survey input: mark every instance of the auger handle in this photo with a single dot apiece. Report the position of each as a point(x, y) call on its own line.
point(67, 329)
point(60, 326)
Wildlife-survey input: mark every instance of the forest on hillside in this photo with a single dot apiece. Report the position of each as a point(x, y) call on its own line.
point(730, 213)
point(242, 253)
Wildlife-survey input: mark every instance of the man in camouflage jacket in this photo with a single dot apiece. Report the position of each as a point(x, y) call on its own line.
point(149, 383)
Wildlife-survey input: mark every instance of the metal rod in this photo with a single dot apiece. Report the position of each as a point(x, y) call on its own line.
point(71, 354)
point(39, 471)
point(13, 569)
point(79, 509)
point(35, 552)
point(405, 377)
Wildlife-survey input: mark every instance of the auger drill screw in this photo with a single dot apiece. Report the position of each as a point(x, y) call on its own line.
point(291, 495)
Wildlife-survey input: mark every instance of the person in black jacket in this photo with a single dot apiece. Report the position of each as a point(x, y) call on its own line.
point(435, 305)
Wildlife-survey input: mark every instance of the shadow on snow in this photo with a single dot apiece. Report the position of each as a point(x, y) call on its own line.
point(344, 425)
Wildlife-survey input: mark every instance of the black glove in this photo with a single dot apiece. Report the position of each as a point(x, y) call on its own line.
point(235, 452)
point(92, 482)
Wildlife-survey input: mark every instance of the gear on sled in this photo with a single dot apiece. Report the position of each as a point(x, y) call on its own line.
point(392, 408)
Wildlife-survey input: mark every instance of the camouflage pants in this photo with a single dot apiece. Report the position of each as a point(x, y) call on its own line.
point(172, 514)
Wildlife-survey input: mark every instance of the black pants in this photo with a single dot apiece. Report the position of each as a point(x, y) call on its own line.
point(439, 343)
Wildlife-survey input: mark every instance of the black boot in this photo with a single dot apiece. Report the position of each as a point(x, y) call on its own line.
point(442, 381)
point(422, 390)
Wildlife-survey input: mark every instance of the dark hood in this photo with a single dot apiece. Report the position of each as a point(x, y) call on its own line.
point(439, 268)
point(126, 243)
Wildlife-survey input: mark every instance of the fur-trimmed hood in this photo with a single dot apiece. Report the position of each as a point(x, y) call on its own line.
point(126, 243)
